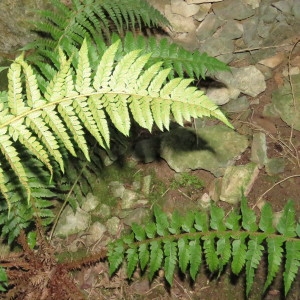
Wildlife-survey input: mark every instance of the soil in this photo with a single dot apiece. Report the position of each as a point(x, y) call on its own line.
point(282, 141)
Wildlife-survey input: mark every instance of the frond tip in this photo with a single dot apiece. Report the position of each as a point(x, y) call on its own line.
point(171, 243)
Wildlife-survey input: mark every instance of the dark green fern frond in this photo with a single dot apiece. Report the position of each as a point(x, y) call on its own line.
point(70, 24)
point(166, 243)
point(181, 61)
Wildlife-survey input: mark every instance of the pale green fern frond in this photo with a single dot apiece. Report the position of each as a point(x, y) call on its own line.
point(80, 98)
point(217, 240)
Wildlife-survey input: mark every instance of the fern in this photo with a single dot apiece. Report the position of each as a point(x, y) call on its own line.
point(50, 122)
point(68, 25)
point(225, 240)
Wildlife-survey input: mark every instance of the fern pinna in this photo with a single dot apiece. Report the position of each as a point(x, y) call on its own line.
point(48, 118)
point(236, 239)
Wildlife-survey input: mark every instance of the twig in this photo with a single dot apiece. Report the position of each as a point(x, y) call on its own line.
point(294, 100)
point(268, 190)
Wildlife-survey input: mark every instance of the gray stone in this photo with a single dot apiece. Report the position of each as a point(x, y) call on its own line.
point(237, 105)
point(284, 6)
point(203, 11)
point(222, 95)
point(201, 1)
point(179, 23)
point(249, 80)
point(219, 47)
point(129, 199)
point(70, 223)
point(210, 148)
point(238, 180)
point(268, 14)
point(280, 32)
point(231, 30)
point(15, 22)
point(275, 166)
point(95, 233)
point(250, 36)
point(136, 216)
point(90, 202)
point(146, 184)
point(117, 189)
point(184, 9)
point(232, 10)
point(208, 27)
point(113, 225)
point(103, 211)
point(263, 30)
point(296, 10)
point(205, 201)
point(253, 3)
point(259, 149)
point(283, 103)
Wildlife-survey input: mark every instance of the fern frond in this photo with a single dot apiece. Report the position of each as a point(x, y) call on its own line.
point(175, 57)
point(70, 24)
point(212, 243)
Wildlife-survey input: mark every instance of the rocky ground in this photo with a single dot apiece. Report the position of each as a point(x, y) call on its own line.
point(260, 40)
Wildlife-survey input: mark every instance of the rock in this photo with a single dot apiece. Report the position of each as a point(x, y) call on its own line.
point(184, 9)
point(231, 30)
point(146, 184)
point(268, 13)
point(259, 149)
point(249, 80)
point(178, 22)
point(296, 9)
point(129, 199)
point(237, 105)
point(103, 211)
point(117, 189)
point(238, 179)
point(204, 201)
point(283, 103)
point(203, 11)
point(113, 225)
point(90, 202)
point(70, 223)
point(222, 95)
point(136, 216)
point(232, 10)
point(219, 47)
point(15, 22)
point(208, 27)
point(290, 72)
point(95, 233)
point(284, 6)
point(211, 148)
point(275, 166)
point(250, 36)
point(273, 61)
point(253, 3)
point(201, 1)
